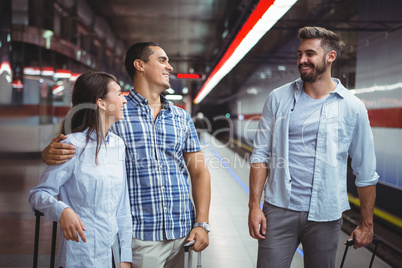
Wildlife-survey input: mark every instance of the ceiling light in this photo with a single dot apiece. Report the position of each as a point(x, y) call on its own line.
point(31, 70)
point(47, 71)
point(264, 16)
point(17, 84)
point(174, 97)
point(5, 69)
point(57, 89)
point(170, 90)
point(62, 73)
point(376, 88)
point(74, 77)
point(252, 91)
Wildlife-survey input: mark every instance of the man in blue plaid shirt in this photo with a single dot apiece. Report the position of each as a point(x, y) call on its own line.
point(162, 152)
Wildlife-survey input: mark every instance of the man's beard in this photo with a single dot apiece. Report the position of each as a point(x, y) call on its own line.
point(315, 73)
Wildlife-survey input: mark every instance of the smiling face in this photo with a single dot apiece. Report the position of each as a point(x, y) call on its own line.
point(157, 69)
point(114, 103)
point(311, 60)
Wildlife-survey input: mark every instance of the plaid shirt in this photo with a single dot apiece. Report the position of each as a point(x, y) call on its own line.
point(157, 176)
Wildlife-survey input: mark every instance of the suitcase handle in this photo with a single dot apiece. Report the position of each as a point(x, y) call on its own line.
point(38, 214)
point(188, 245)
point(350, 242)
point(186, 251)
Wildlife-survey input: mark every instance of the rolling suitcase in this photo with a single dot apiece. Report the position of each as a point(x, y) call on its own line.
point(38, 214)
point(186, 252)
point(350, 242)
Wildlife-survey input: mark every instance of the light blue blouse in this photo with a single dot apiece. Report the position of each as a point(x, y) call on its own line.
point(97, 193)
point(344, 130)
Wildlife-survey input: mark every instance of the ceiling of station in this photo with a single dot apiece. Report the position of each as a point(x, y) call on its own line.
point(196, 33)
point(188, 30)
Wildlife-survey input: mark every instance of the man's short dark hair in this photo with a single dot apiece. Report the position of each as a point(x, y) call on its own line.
point(140, 51)
point(329, 40)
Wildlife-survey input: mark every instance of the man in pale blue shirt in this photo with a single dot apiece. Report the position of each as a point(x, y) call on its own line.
point(307, 130)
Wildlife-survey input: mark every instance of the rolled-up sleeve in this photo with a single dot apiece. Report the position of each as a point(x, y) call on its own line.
point(263, 137)
point(362, 151)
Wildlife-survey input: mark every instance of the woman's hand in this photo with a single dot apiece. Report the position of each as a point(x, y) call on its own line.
point(71, 224)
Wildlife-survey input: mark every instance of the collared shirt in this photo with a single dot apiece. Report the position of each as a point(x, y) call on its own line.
point(98, 195)
point(343, 130)
point(157, 175)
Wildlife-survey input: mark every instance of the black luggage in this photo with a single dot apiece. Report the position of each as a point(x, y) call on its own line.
point(350, 242)
point(38, 214)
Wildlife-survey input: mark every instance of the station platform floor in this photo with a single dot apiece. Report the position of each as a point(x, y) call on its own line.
point(230, 243)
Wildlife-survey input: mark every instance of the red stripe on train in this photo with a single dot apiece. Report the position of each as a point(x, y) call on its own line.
point(33, 110)
point(383, 117)
point(386, 117)
point(251, 117)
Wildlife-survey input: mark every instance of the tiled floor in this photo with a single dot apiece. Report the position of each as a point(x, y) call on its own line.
point(230, 243)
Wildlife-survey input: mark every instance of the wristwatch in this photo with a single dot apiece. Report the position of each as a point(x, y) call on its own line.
point(204, 225)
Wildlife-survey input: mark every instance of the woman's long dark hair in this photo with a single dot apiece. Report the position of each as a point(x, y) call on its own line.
point(84, 113)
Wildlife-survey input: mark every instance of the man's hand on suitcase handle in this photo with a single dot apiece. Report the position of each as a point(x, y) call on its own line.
point(351, 242)
point(201, 239)
point(70, 224)
point(188, 245)
point(361, 236)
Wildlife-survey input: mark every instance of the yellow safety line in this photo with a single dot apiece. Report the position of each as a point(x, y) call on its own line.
point(378, 212)
point(354, 200)
point(238, 143)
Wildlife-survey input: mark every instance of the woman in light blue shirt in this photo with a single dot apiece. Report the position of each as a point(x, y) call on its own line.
point(92, 205)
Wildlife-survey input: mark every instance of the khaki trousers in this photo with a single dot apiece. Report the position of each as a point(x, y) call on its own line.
point(159, 254)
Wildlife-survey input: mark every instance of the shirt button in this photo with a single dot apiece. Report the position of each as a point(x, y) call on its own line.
point(165, 209)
